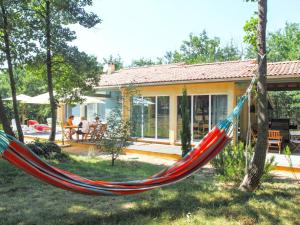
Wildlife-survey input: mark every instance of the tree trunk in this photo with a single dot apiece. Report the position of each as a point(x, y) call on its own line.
point(53, 103)
point(113, 160)
point(11, 72)
point(256, 168)
point(3, 119)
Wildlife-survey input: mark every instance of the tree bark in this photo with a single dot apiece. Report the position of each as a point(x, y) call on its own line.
point(53, 103)
point(11, 72)
point(256, 168)
point(3, 119)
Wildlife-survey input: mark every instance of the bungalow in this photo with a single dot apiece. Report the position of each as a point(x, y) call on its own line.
point(213, 90)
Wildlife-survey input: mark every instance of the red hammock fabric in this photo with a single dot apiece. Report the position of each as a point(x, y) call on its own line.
point(21, 156)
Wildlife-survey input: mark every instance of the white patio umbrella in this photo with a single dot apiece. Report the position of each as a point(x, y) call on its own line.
point(92, 100)
point(45, 99)
point(142, 101)
point(42, 99)
point(21, 98)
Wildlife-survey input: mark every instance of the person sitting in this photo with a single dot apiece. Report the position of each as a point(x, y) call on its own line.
point(71, 127)
point(83, 129)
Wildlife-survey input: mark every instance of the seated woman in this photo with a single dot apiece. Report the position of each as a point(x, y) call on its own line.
point(71, 127)
point(83, 129)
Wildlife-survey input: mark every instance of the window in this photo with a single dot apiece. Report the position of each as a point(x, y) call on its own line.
point(136, 118)
point(150, 117)
point(163, 112)
point(200, 116)
point(218, 108)
point(207, 111)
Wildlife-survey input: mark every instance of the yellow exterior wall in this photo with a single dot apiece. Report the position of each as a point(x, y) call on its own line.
point(226, 88)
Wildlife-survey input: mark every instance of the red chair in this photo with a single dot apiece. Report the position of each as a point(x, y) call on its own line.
point(39, 127)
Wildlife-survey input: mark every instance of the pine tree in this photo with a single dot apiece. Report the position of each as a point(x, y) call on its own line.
point(186, 127)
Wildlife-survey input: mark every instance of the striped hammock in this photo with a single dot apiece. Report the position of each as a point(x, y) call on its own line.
point(22, 157)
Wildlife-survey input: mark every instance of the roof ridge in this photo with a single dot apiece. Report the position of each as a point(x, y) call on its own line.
point(148, 66)
point(283, 62)
point(220, 62)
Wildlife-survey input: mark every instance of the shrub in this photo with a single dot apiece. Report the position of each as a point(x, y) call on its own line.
point(48, 150)
point(117, 135)
point(185, 133)
point(230, 164)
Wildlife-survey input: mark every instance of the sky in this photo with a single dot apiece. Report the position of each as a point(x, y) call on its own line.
point(149, 28)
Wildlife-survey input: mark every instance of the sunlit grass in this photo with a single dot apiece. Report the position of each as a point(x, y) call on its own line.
point(198, 200)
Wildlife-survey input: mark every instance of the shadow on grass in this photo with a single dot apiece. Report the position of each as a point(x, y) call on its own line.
point(199, 196)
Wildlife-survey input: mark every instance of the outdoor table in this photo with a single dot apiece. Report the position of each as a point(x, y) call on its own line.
point(295, 144)
point(294, 134)
point(295, 139)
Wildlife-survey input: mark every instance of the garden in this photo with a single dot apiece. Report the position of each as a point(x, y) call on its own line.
point(211, 196)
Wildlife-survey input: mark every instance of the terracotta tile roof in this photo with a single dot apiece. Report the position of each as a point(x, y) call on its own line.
point(182, 73)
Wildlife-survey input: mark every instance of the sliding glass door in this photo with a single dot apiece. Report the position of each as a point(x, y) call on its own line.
point(136, 117)
point(163, 112)
point(218, 108)
point(150, 117)
point(207, 111)
point(200, 116)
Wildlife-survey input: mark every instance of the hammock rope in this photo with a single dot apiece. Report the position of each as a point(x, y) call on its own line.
point(22, 157)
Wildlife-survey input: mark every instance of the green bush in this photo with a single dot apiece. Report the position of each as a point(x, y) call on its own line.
point(230, 163)
point(48, 150)
point(117, 135)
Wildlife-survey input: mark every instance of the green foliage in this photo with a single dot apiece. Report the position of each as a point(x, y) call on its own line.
point(250, 28)
point(201, 49)
point(287, 152)
point(48, 150)
point(143, 62)
point(230, 164)
point(201, 200)
point(284, 44)
point(117, 135)
point(185, 133)
point(117, 61)
point(74, 72)
point(286, 104)
point(20, 38)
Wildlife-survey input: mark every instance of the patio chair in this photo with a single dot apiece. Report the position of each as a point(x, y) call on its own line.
point(98, 133)
point(275, 140)
point(25, 128)
point(38, 127)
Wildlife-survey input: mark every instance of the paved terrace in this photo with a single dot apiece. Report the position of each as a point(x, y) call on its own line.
point(167, 151)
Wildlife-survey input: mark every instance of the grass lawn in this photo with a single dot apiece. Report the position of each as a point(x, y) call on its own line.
point(198, 200)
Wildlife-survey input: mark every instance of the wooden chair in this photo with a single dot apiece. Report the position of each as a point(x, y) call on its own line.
point(275, 140)
point(98, 133)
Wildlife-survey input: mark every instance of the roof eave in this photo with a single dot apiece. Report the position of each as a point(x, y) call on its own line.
point(272, 77)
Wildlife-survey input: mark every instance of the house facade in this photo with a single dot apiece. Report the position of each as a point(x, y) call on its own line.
point(150, 96)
